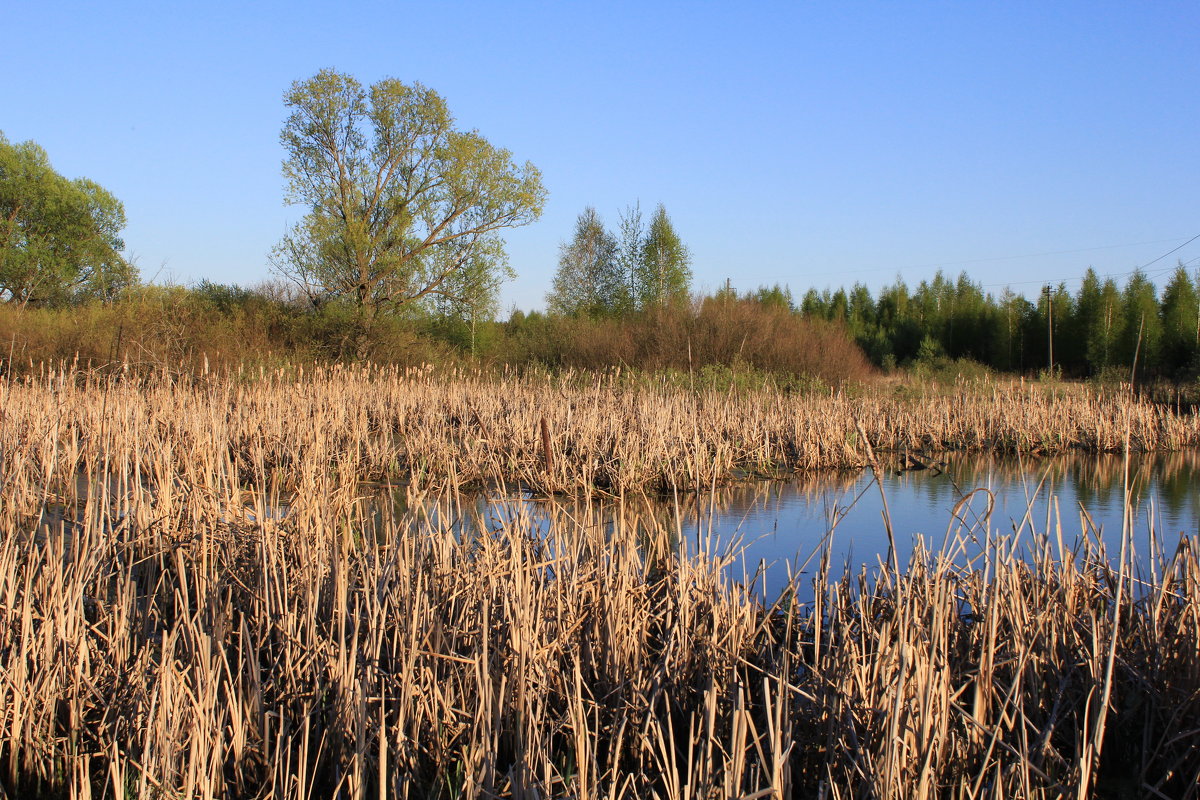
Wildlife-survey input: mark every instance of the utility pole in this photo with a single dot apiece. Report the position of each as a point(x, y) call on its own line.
point(1049, 324)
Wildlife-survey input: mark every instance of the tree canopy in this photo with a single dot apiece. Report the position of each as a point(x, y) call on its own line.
point(605, 274)
point(664, 274)
point(588, 280)
point(59, 238)
point(1098, 330)
point(400, 202)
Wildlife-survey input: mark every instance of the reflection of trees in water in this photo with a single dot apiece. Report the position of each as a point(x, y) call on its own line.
point(740, 499)
point(688, 508)
point(1177, 480)
point(1096, 481)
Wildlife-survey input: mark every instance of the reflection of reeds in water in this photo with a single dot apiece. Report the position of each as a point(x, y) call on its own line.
point(691, 512)
point(1081, 468)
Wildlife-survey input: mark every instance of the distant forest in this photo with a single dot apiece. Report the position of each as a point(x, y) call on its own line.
point(942, 327)
point(1097, 331)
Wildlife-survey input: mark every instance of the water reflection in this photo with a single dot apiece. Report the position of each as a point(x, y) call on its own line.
point(1060, 497)
point(777, 525)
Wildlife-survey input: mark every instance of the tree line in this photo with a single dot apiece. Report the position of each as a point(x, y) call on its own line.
point(401, 231)
point(1102, 329)
point(60, 239)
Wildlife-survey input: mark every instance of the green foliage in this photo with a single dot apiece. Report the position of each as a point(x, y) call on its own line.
point(602, 274)
point(814, 304)
point(401, 205)
point(930, 350)
point(1096, 330)
point(631, 235)
point(663, 276)
point(588, 280)
point(776, 296)
point(1089, 320)
point(225, 298)
point(1180, 314)
point(59, 239)
point(1142, 329)
point(462, 314)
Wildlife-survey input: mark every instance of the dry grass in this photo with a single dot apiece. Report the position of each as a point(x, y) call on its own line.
point(333, 427)
point(165, 632)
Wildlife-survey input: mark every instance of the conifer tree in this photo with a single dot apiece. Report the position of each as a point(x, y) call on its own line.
point(1142, 332)
point(1180, 323)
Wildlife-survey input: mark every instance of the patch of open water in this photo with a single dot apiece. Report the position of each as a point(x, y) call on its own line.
point(777, 525)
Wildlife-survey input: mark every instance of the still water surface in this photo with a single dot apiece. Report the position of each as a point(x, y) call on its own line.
point(776, 525)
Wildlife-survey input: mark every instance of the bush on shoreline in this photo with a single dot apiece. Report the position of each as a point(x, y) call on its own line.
point(227, 327)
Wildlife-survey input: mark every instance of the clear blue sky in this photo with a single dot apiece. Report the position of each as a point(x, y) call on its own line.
point(812, 144)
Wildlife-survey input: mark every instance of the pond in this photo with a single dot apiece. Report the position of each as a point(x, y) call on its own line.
point(775, 526)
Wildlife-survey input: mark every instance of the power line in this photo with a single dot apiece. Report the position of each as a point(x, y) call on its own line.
point(985, 260)
point(1106, 275)
point(1048, 253)
point(1164, 255)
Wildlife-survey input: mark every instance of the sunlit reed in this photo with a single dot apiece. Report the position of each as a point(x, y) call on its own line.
point(197, 601)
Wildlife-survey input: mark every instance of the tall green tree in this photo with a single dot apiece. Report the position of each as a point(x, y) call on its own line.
point(589, 280)
point(777, 296)
point(1142, 332)
point(60, 239)
point(933, 307)
point(664, 276)
point(860, 311)
point(1180, 314)
point(839, 306)
point(971, 323)
point(901, 329)
point(1104, 342)
point(1068, 352)
point(1011, 312)
point(631, 238)
point(1089, 317)
point(814, 304)
point(399, 201)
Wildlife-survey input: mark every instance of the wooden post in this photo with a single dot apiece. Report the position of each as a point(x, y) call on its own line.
point(547, 452)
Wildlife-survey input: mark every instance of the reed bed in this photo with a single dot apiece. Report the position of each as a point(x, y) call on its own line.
point(394, 656)
point(295, 430)
point(196, 605)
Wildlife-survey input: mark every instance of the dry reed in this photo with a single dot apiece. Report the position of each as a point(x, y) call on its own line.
point(293, 429)
point(167, 630)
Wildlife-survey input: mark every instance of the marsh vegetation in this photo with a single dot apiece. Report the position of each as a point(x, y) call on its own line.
point(165, 632)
